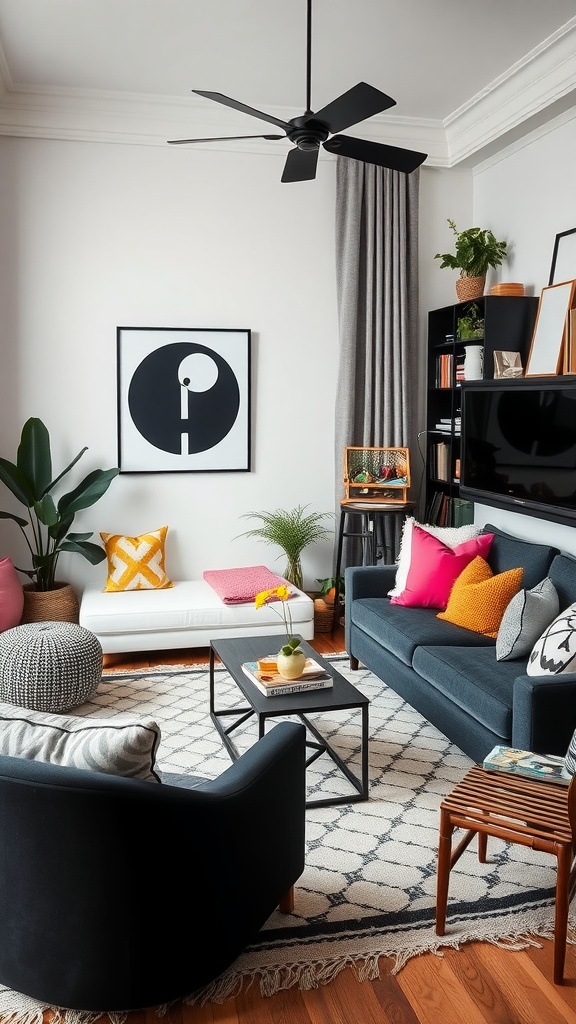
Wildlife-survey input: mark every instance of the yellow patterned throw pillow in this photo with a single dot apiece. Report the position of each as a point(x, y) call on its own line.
point(136, 563)
point(479, 599)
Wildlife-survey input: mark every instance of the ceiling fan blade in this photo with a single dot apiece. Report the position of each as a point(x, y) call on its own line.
point(300, 165)
point(219, 97)
point(396, 159)
point(351, 107)
point(224, 138)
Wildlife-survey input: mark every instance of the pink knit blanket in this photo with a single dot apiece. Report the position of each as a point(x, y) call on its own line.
point(239, 586)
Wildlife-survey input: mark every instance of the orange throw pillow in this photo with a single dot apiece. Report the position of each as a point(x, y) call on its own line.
point(478, 598)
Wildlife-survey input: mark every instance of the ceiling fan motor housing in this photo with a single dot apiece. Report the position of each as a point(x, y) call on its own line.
point(307, 134)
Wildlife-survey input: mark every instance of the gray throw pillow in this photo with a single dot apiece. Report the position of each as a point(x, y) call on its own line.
point(555, 651)
point(123, 745)
point(527, 615)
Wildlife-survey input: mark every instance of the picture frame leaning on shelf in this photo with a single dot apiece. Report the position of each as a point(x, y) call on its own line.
point(546, 349)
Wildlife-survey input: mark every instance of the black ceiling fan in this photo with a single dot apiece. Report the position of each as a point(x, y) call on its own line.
point(315, 129)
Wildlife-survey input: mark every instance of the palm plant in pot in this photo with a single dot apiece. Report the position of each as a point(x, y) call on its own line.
point(476, 250)
point(48, 530)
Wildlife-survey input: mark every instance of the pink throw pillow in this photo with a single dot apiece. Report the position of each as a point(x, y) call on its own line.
point(434, 567)
point(11, 595)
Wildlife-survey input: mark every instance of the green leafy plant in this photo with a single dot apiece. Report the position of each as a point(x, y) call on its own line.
point(471, 325)
point(476, 251)
point(293, 531)
point(328, 587)
point(30, 481)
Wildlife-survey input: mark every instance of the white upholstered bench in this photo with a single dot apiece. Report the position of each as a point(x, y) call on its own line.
point(189, 614)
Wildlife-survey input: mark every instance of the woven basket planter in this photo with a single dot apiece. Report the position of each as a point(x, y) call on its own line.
point(323, 616)
point(468, 288)
point(58, 605)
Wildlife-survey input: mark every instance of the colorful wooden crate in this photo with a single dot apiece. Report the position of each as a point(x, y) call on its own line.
point(376, 475)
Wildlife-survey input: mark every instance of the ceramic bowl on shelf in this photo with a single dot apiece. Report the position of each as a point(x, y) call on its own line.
point(507, 288)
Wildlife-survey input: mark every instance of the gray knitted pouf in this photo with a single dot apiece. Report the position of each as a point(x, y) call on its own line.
point(49, 666)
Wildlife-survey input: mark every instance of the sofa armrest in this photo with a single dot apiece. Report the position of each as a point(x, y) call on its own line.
point(544, 713)
point(364, 581)
point(368, 581)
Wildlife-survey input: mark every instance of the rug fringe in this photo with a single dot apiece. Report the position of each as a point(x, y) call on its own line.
point(306, 974)
point(366, 967)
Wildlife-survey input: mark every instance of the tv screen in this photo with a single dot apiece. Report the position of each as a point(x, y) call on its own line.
point(518, 448)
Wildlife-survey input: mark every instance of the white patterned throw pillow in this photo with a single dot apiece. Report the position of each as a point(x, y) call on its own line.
point(527, 615)
point(555, 651)
point(452, 536)
point(124, 745)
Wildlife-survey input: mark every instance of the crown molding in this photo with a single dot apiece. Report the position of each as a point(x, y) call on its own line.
point(540, 81)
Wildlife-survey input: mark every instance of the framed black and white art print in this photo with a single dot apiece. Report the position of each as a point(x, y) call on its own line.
point(183, 400)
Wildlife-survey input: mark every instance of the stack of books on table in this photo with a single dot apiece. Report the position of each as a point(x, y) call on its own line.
point(271, 683)
point(542, 767)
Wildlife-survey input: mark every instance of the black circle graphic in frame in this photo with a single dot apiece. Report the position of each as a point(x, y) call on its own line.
point(184, 398)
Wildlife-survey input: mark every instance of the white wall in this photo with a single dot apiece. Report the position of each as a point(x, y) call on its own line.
point(95, 236)
point(526, 195)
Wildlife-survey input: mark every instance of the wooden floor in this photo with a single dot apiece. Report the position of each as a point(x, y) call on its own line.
point(479, 984)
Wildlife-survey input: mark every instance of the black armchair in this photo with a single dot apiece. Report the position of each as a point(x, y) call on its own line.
point(118, 894)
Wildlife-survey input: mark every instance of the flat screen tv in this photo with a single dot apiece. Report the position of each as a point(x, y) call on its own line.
point(518, 448)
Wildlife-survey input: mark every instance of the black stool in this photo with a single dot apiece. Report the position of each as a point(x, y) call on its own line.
point(368, 513)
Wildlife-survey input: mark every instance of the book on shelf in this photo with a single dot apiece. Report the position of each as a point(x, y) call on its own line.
point(462, 511)
point(272, 684)
point(541, 767)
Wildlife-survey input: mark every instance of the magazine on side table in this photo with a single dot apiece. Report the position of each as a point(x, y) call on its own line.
point(542, 767)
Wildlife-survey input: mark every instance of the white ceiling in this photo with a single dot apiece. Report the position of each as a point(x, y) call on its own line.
point(463, 73)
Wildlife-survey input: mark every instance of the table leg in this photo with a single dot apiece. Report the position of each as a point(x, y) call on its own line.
point(443, 876)
point(564, 856)
point(482, 846)
point(365, 782)
point(336, 613)
point(211, 677)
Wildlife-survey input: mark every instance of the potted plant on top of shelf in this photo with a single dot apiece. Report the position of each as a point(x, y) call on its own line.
point(477, 250)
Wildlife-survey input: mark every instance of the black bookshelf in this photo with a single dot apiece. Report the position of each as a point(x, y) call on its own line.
point(508, 324)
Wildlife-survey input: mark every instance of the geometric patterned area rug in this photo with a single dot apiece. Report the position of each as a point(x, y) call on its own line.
point(368, 888)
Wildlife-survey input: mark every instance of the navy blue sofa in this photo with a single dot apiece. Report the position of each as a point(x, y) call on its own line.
point(450, 674)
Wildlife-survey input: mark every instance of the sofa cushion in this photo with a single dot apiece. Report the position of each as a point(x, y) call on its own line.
point(136, 563)
point(525, 618)
point(563, 576)
point(400, 630)
point(450, 535)
point(555, 651)
point(472, 679)
point(479, 598)
point(508, 552)
point(435, 566)
point(124, 745)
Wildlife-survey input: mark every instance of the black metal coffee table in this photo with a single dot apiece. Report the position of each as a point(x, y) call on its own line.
point(341, 696)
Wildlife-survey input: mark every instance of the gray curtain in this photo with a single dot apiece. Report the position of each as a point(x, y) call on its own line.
point(377, 288)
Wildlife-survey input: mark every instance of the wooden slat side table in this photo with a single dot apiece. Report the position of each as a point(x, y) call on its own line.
point(506, 806)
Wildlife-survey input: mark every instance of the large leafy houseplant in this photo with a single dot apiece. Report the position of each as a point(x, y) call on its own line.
point(293, 531)
point(477, 249)
point(47, 532)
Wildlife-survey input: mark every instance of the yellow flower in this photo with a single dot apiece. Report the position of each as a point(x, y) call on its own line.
point(281, 593)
